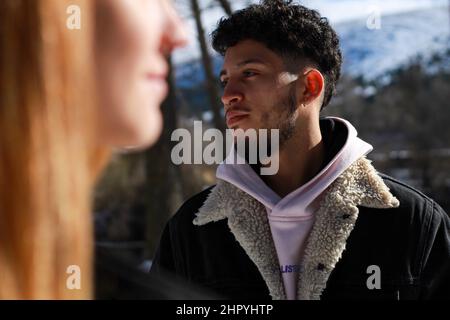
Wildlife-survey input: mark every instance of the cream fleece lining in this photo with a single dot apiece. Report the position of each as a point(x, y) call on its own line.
point(359, 185)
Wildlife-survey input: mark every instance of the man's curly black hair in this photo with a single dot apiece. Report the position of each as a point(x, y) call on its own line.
point(292, 31)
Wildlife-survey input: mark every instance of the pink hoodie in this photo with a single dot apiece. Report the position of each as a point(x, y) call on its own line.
point(291, 218)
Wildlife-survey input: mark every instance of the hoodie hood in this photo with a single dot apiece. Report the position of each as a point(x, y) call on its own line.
point(302, 199)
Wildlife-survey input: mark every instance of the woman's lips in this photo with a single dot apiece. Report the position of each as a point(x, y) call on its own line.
point(233, 117)
point(158, 84)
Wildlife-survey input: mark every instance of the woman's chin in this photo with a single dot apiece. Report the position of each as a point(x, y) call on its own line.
point(151, 133)
point(140, 136)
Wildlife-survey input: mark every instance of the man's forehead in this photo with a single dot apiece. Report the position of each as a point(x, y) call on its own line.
point(243, 61)
point(238, 56)
point(248, 50)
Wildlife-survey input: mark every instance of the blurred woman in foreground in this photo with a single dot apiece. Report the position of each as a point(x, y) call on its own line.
point(67, 96)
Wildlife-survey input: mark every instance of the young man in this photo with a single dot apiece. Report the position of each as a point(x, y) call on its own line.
point(327, 224)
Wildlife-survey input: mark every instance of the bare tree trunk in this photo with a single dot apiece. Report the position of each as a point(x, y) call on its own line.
point(226, 6)
point(211, 80)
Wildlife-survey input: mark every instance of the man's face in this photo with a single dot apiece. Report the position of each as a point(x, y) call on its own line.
point(259, 92)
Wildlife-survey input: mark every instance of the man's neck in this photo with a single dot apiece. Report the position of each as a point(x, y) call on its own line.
point(300, 159)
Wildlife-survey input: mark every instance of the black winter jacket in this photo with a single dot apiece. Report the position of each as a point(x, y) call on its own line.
point(220, 239)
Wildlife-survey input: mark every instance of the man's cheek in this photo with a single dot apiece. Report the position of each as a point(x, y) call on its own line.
point(265, 120)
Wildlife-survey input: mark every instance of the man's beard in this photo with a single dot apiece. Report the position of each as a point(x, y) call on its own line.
point(285, 123)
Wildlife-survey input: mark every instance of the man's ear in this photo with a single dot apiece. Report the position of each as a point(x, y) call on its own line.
point(313, 85)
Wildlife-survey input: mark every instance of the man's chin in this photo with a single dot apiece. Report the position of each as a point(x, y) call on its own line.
point(245, 127)
point(241, 130)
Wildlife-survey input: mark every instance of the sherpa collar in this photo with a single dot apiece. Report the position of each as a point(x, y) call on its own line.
point(359, 185)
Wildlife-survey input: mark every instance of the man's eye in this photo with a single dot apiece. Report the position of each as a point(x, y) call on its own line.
point(249, 73)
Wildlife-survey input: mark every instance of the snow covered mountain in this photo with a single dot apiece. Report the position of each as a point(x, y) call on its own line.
point(370, 47)
point(402, 37)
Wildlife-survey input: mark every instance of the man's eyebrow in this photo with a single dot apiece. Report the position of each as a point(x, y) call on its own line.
point(243, 63)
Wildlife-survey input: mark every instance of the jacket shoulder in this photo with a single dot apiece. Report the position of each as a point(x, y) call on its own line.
point(411, 198)
point(402, 188)
point(190, 207)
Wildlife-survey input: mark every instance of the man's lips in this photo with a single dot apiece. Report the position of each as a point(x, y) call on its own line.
point(235, 116)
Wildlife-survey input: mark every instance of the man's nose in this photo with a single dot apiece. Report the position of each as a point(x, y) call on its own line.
point(231, 95)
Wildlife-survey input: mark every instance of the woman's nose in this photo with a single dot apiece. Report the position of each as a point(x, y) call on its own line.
point(175, 34)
